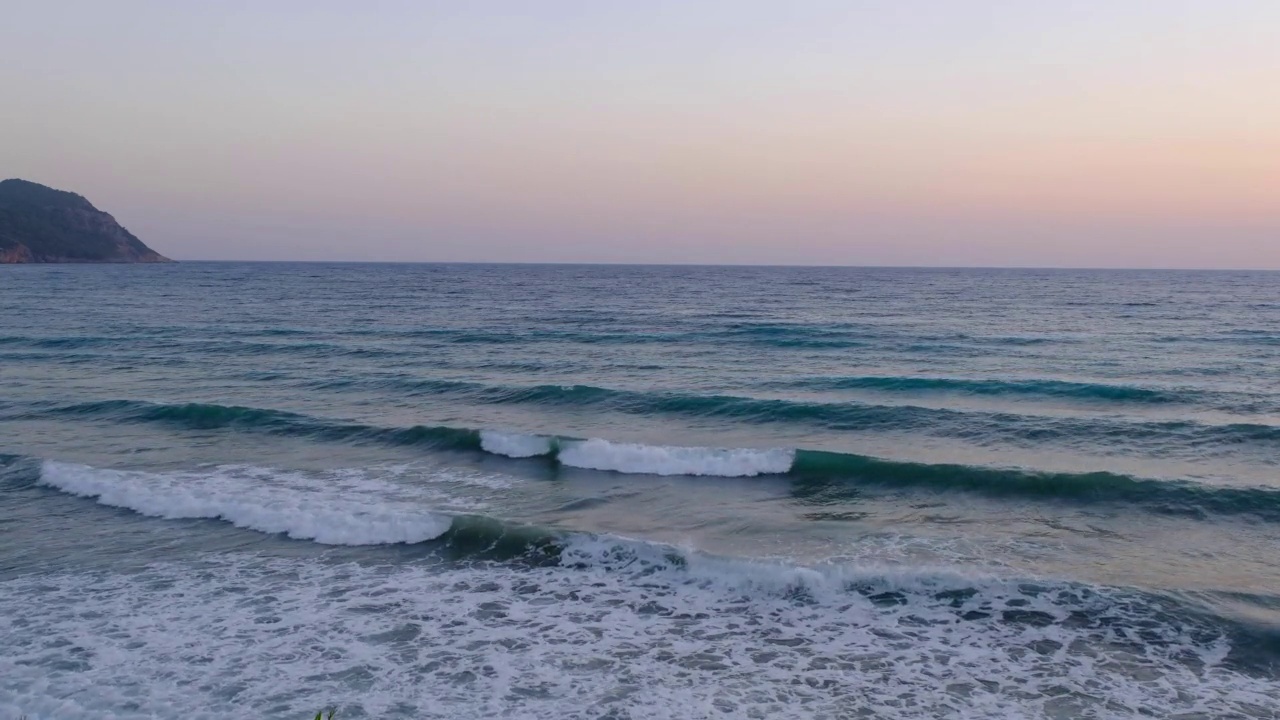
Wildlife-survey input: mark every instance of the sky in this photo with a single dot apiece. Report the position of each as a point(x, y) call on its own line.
point(1142, 133)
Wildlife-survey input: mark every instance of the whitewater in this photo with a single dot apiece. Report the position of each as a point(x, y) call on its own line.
point(468, 491)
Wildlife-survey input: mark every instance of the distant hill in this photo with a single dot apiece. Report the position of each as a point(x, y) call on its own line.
point(41, 225)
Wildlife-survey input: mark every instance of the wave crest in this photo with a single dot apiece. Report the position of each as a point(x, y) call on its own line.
point(515, 445)
point(597, 454)
point(812, 471)
point(254, 499)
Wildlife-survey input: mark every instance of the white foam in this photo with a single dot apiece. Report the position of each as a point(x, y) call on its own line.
point(516, 445)
point(597, 454)
point(342, 509)
point(627, 630)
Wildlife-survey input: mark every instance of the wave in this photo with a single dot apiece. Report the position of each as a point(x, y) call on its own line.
point(153, 341)
point(816, 471)
point(244, 498)
point(982, 427)
point(212, 416)
point(1233, 337)
point(515, 445)
point(783, 335)
point(598, 454)
point(816, 474)
point(341, 508)
point(1030, 388)
point(65, 358)
point(833, 336)
point(361, 508)
point(637, 459)
point(755, 639)
point(59, 343)
point(358, 509)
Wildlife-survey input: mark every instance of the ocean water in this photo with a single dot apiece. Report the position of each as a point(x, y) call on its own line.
point(468, 491)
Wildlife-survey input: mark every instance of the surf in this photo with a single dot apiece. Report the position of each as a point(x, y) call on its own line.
point(283, 505)
point(811, 471)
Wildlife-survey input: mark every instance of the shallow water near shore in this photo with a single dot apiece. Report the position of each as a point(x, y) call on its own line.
point(462, 491)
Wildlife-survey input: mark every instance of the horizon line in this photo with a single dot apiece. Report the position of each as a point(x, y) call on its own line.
point(724, 265)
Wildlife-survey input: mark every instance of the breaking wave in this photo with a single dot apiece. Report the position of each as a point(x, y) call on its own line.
point(813, 471)
point(256, 499)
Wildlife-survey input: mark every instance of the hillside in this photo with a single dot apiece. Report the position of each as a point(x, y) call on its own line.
point(39, 224)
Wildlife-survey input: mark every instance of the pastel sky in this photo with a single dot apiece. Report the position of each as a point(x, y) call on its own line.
point(1095, 133)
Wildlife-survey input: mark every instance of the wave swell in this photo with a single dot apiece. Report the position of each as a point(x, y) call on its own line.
point(983, 427)
point(1057, 389)
point(824, 475)
point(815, 474)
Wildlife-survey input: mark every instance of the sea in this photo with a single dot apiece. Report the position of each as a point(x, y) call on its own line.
point(262, 490)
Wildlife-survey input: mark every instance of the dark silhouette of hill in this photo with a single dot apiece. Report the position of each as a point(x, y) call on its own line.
point(39, 224)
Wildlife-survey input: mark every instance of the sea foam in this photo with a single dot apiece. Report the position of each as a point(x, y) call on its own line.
point(600, 454)
point(627, 631)
point(516, 445)
point(597, 454)
point(355, 510)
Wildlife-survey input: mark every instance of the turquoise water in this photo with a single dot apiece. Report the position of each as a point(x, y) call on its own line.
point(251, 490)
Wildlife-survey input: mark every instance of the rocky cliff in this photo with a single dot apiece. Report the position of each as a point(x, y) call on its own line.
point(41, 225)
